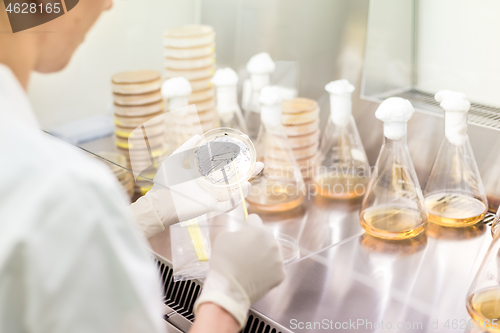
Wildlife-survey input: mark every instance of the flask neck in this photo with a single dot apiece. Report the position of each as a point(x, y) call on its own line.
point(455, 127)
point(227, 99)
point(340, 108)
point(178, 102)
point(395, 131)
point(259, 81)
point(270, 115)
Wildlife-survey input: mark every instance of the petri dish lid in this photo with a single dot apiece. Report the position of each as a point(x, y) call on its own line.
point(138, 110)
point(150, 120)
point(191, 74)
point(298, 105)
point(136, 82)
point(302, 129)
point(207, 170)
point(187, 31)
point(133, 77)
point(201, 96)
point(201, 84)
point(189, 64)
point(189, 53)
point(189, 36)
point(140, 143)
point(300, 117)
point(288, 247)
point(303, 140)
point(138, 99)
point(128, 132)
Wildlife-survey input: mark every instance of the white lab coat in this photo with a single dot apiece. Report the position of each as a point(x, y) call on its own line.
point(70, 259)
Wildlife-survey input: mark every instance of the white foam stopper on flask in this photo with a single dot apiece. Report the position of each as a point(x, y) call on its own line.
point(260, 67)
point(176, 90)
point(395, 113)
point(456, 106)
point(226, 80)
point(270, 100)
point(340, 101)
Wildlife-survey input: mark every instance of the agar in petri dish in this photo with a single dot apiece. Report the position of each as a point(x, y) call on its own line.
point(225, 157)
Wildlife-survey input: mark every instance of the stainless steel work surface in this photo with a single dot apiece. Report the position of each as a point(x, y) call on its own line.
point(316, 224)
point(364, 284)
point(347, 278)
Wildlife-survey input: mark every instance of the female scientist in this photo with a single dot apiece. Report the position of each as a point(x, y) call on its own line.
point(71, 258)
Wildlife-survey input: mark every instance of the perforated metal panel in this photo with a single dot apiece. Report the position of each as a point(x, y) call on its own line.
point(479, 114)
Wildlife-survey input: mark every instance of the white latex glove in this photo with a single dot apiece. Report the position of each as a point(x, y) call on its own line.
point(244, 266)
point(161, 207)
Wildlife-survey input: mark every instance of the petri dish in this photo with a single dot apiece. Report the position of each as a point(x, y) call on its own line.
point(136, 82)
point(137, 99)
point(192, 74)
point(140, 143)
point(189, 36)
point(205, 105)
point(138, 110)
point(304, 140)
point(144, 154)
point(288, 247)
point(303, 152)
point(189, 52)
point(187, 64)
point(298, 105)
point(152, 120)
point(302, 129)
point(128, 132)
point(219, 169)
point(299, 118)
point(201, 84)
point(201, 96)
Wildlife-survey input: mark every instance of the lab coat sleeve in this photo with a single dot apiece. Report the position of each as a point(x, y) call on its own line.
point(87, 268)
point(154, 211)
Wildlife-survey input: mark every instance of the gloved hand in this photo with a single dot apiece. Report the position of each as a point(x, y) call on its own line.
point(244, 266)
point(162, 206)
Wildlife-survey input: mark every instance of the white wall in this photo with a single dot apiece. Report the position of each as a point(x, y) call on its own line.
point(459, 48)
point(127, 37)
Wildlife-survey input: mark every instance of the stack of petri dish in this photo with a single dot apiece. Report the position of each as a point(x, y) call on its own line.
point(190, 53)
point(300, 118)
point(138, 101)
point(117, 163)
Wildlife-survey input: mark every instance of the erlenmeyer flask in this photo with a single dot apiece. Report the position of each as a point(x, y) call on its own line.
point(279, 186)
point(483, 297)
point(393, 206)
point(342, 170)
point(260, 67)
point(454, 194)
point(225, 80)
point(491, 178)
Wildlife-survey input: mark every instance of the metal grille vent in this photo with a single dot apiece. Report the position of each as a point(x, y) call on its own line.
point(255, 325)
point(479, 114)
point(180, 297)
point(488, 218)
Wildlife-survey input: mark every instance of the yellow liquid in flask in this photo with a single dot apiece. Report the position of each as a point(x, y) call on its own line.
point(393, 222)
point(484, 307)
point(274, 195)
point(341, 187)
point(454, 210)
